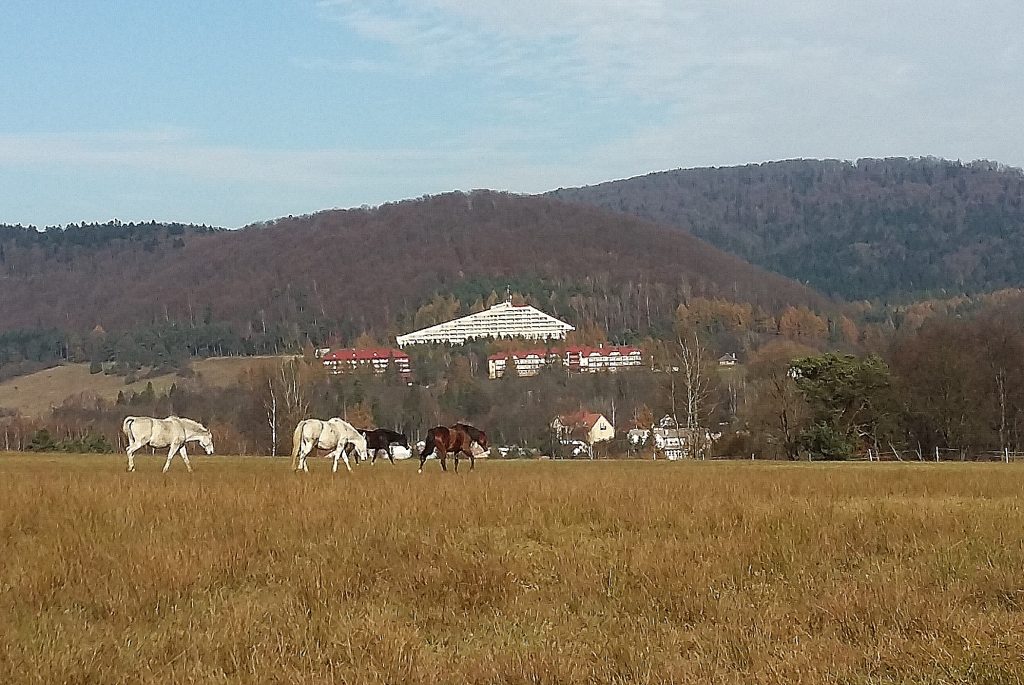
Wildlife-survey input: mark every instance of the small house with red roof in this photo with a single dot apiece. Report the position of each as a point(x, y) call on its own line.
point(590, 427)
point(376, 358)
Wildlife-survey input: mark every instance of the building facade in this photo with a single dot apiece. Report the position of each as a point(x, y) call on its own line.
point(376, 358)
point(503, 320)
point(577, 358)
point(590, 427)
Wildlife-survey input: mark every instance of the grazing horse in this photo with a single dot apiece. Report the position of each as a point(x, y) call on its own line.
point(456, 439)
point(334, 434)
point(172, 432)
point(383, 439)
point(478, 436)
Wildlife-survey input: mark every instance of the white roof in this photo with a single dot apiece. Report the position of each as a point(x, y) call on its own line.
point(503, 320)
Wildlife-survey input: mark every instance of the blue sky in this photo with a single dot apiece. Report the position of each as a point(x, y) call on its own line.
point(225, 112)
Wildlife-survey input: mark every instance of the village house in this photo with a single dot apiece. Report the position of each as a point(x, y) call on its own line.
point(590, 427)
point(676, 442)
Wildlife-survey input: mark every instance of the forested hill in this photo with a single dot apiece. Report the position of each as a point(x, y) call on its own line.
point(336, 274)
point(60, 241)
point(885, 228)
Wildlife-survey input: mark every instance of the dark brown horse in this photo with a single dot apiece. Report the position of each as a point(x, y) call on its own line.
point(456, 439)
point(383, 439)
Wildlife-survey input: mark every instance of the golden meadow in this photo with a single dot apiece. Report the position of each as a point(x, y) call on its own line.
point(519, 572)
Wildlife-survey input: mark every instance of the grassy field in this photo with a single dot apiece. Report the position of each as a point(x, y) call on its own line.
point(37, 393)
point(520, 572)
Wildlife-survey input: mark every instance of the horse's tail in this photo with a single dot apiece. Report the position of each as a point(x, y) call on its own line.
point(429, 444)
point(297, 443)
point(126, 426)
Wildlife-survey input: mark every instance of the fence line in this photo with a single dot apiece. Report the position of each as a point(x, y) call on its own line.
point(1005, 455)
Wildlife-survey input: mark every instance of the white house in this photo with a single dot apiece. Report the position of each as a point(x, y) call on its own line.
point(590, 427)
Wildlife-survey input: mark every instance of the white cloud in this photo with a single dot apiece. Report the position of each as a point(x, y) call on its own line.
point(662, 50)
point(452, 164)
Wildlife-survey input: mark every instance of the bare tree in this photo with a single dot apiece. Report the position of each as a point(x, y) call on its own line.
point(697, 389)
point(282, 391)
point(271, 405)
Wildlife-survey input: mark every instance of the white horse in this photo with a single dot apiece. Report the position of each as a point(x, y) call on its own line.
point(334, 434)
point(172, 432)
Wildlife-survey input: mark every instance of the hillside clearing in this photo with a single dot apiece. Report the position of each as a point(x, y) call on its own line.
point(540, 572)
point(34, 395)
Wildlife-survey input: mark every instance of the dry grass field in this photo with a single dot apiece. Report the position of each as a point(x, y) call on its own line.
point(521, 572)
point(35, 394)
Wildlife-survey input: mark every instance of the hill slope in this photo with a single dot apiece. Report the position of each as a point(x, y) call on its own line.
point(338, 273)
point(874, 228)
point(34, 395)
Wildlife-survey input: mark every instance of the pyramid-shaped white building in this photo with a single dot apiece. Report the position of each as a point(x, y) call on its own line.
point(504, 320)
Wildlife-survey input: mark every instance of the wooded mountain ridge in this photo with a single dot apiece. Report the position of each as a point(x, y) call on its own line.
point(892, 228)
point(331, 276)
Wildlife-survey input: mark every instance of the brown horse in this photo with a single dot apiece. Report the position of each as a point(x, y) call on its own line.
point(456, 439)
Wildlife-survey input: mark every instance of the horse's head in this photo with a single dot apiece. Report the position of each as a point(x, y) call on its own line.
point(481, 439)
point(206, 442)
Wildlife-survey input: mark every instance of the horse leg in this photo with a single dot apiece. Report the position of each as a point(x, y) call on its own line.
point(472, 459)
point(373, 457)
point(170, 455)
point(443, 456)
point(184, 457)
point(132, 449)
point(391, 455)
point(455, 456)
point(424, 454)
point(342, 451)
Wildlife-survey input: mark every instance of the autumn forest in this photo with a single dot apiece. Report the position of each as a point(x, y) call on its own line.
point(873, 305)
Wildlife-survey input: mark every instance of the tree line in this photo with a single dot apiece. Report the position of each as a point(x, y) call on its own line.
point(953, 384)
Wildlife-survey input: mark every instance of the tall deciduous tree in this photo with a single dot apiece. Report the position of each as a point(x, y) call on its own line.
point(777, 412)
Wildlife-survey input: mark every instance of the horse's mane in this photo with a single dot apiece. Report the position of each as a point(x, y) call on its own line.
point(473, 432)
point(195, 425)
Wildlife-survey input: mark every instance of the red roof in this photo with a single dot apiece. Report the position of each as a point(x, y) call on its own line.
point(522, 354)
point(351, 354)
point(621, 350)
point(586, 419)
